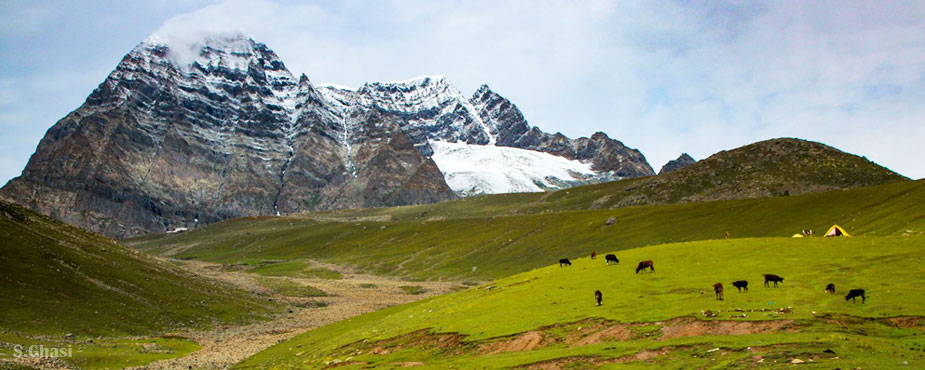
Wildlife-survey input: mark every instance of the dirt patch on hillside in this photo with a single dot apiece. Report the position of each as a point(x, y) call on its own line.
point(618, 332)
point(575, 334)
point(572, 334)
point(692, 327)
point(904, 321)
point(594, 361)
point(451, 344)
point(346, 363)
point(521, 342)
point(409, 364)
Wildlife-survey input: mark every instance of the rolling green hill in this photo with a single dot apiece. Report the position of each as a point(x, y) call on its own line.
point(59, 279)
point(547, 318)
point(473, 247)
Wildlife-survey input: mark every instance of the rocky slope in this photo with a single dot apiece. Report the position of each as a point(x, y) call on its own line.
point(184, 134)
point(676, 164)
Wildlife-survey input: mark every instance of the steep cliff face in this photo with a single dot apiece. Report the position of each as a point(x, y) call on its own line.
point(184, 134)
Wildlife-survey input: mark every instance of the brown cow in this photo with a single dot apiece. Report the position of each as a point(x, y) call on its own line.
point(598, 296)
point(830, 288)
point(718, 289)
point(593, 254)
point(644, 265)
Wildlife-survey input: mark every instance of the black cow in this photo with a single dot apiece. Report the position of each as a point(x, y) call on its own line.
point(741, 284)
point(564, 262)
point(830, 288)
point(854, 293)
point(611, 258)
point(598, 297)
point(772, 278)
point(645, 265)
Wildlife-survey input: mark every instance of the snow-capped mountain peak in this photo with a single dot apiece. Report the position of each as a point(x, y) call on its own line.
point(189, 129)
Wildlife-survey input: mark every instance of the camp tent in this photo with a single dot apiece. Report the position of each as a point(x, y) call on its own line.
point(836, 230)
point(797, 235)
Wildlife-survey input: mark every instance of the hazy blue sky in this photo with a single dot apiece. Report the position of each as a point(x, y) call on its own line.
point(664, 77)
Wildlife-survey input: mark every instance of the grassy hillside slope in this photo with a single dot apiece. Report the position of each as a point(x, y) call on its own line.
point(59, 279)
point(491, 247)
point(547, 318)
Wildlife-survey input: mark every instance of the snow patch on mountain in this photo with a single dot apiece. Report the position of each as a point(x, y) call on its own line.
point(472, 169)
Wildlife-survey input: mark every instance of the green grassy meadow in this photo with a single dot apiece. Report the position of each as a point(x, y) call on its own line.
point(655, 318)
point(441, 241)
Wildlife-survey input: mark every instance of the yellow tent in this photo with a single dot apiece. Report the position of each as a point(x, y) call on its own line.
point(836, 230)
point(797, 235)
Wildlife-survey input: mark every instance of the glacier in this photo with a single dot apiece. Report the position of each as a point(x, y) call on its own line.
point(472, 169)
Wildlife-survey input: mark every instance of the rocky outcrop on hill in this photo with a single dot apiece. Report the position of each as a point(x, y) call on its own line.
point(676, 164)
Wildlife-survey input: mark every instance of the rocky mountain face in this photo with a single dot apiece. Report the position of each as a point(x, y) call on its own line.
point(676, 164)
point(179, 135)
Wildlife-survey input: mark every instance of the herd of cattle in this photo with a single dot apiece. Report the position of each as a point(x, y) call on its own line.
point(718, 287)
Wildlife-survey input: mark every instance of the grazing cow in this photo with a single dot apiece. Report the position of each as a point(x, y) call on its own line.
point(598, 297)
point(854, 293)
point(772, 278)
point(564, 262)
point(718, 289)
point(593, 254)
point(830, 288)
point(741, 284)
point(611, 258)
point(808, 232)
point(645, 265)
